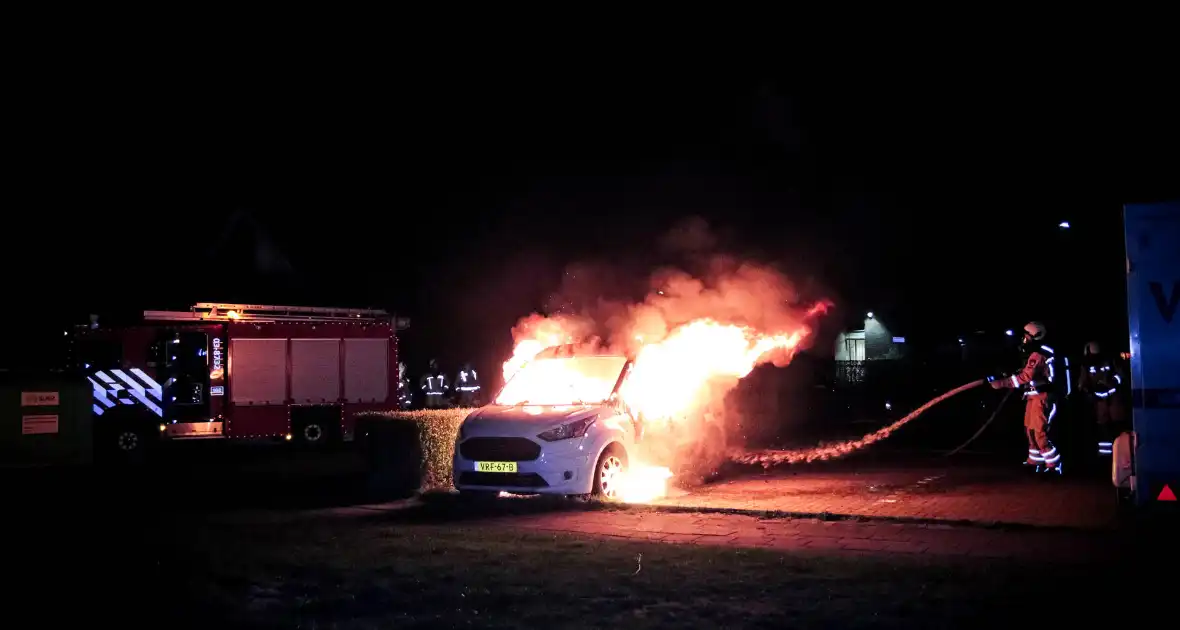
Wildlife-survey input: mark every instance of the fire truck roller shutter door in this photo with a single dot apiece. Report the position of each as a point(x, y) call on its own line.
point(366, 370)
point(315, 391)
point(259, 371)
point(315, 371)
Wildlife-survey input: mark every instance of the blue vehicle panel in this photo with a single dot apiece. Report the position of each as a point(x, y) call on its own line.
point(1153, 293)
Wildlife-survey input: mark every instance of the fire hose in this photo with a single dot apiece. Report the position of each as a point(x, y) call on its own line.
point(985, 424)
point(772, 458)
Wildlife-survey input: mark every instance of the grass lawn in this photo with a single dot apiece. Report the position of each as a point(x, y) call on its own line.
point(396, 574)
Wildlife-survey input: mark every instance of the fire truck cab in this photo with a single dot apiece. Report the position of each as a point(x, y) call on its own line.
point(223, 371)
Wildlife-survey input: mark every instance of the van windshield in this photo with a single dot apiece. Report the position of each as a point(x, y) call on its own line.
point(563, 381)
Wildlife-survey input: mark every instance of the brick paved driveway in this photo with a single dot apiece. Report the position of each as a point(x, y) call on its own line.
point(812, 535)
point(921, 492)
point(949, 493)
point(1071, 518)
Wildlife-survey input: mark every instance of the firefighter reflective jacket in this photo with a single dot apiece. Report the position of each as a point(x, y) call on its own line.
point(467, 381)
point(1038, 376)
point(1101, 380)
point(434, 384)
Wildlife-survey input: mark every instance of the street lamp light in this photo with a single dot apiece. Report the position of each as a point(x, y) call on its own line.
point(869, 314)
point(1063, 225)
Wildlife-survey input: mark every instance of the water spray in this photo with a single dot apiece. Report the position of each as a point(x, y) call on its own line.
point(770, 458)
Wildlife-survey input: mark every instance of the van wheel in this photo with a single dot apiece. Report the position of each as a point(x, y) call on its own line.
point(609, 471)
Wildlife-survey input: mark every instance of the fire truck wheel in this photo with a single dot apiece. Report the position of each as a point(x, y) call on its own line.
point(315, 430)
point(313, 433)
point(125, 443)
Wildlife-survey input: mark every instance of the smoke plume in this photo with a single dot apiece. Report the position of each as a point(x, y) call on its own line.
point(746, 294)
point(696, 324)
point(630, 304)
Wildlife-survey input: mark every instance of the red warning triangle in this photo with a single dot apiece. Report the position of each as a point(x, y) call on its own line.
point(1166, 494)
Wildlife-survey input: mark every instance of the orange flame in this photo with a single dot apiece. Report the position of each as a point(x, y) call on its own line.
point(522, 354)
point(692, 338)
point(671, 377)
point(535, 333)
point(642, 483)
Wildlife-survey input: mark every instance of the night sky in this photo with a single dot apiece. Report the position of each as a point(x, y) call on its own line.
point(459, 198)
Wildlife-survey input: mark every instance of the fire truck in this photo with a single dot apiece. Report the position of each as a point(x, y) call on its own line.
point(237, 371)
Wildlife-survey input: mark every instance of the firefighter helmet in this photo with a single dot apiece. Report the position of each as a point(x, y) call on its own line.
point(1035, 330)
point(1092, 348)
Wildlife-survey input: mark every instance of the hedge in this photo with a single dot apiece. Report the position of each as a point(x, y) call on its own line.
point(414, 448)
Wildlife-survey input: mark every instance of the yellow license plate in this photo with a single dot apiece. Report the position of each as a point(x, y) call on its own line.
point(496, 467)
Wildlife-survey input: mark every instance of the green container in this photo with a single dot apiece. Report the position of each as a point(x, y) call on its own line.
point(45, 420)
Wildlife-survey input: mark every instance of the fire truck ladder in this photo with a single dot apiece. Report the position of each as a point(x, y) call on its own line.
point(264, 313)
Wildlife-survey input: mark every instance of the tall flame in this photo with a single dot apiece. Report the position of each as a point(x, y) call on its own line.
point(692, 338)
point(535, 333)
point(671, 379)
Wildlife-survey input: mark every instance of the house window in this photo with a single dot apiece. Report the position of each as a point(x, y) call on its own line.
point(855, 349)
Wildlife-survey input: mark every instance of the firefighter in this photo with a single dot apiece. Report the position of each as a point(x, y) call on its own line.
point(404, 398)
point(1101, 384)
point(467, 386)
point(1036, 378)
point(434, 386)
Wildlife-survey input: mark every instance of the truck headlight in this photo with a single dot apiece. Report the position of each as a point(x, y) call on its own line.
point(574, 429)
